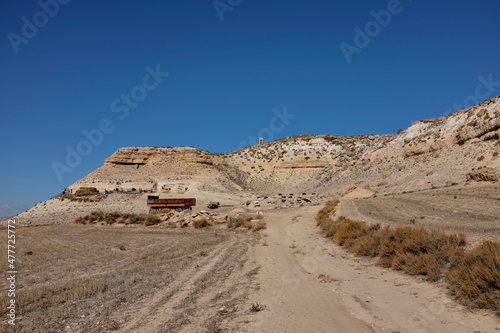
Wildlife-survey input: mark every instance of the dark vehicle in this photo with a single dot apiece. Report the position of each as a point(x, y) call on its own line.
point(179, 204)
point(213, 205)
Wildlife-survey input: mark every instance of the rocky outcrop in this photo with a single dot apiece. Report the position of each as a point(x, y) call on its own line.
point(303, 164)
point(483, 175)
point(134, 155)
point(155, 155)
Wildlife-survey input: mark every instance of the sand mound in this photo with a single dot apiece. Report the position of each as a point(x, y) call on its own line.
point(358, 192)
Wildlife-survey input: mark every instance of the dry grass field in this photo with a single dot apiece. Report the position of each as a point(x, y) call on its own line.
point(473, 209)
point(78, 278)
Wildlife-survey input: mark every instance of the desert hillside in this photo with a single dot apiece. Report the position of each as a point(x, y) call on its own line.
point(423, 201)
point(432, 153)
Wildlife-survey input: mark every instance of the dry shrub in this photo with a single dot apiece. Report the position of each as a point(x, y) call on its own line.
point(370, 243)
point(86, 191)
point(474, 277)
point(419, 251)
point(324, 221)
point(325, 211)
point(201, 222)
point(99, 216)
point(257, 307)
point(239, 222)
point(416, 251)
point(94, 217)
point(259, 226)
point(152, 219)
point(90, 198)
point(347, 231)
point(328, 226)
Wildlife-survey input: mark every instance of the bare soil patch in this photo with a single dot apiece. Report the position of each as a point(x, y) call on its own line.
point(473, 209)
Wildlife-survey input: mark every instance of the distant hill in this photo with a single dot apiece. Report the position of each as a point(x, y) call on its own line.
point(456, 148)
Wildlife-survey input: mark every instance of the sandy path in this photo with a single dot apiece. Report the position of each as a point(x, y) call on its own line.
point(311, 285)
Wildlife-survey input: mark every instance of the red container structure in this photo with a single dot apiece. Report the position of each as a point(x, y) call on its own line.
point(154, 202)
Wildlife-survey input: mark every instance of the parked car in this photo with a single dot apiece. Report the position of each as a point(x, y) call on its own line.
point(213, 205)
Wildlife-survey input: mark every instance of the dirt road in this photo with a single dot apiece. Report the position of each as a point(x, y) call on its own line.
point(309, 284)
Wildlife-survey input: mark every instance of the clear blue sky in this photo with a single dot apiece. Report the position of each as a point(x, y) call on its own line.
point(225, 76)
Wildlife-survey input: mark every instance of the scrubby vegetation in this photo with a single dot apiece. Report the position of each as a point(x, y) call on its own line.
point(259, 226)
point(201, 222)
point(247, 222)
point(239, 222)
point(473, 276)
point(152, 219)
point(71, 197)
point(99, 216)
point(323, 219)
point(86, 191)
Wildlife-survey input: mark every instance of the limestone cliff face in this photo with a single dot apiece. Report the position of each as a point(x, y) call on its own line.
point(155, 155)
point(431, 152)
point(475, 124)
point(134, 155)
